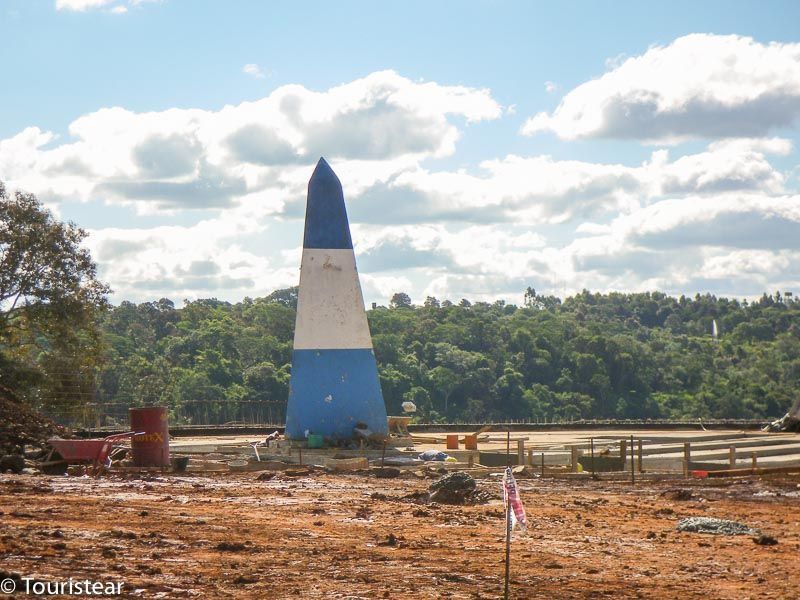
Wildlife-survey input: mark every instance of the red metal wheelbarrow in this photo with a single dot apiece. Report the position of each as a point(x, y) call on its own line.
point(92, 451)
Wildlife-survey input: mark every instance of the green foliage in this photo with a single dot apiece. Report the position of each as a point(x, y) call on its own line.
point(591, 356)
point(50, 301)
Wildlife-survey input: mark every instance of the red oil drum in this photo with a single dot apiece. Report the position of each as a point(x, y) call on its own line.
point(150, 445)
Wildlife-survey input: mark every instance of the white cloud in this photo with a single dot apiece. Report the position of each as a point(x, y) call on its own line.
point(550, 87)
point(86, 5)
point(540, 189)
point(80, 5)
point(254, 70)
point(201, 260)
point(191, 158)
point(699, 86)
point(680, 223)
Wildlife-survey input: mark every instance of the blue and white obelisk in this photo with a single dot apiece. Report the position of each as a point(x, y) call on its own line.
point(334, 384)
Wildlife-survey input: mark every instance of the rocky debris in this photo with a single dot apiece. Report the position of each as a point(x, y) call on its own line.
point(419, 497)
point(230, 547)
point(456, 488)
point(12, 462)
point(715, 526)
point(387, 472)
point(391, 540)
point(429, 472)
point(20, 425)
point(763, 539)
point(787, 423)
point(266, 476)
point(679, 494)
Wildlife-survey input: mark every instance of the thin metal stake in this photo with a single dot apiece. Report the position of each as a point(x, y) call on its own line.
point(508, 547)
point(591, 442)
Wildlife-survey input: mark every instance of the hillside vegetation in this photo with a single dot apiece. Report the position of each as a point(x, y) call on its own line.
point(644, 355)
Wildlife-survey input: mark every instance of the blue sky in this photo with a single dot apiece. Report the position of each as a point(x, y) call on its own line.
point(664, 155)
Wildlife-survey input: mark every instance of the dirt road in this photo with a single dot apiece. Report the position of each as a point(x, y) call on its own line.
point(352, 536)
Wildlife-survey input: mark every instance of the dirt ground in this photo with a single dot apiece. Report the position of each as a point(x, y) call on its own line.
point(353, 536)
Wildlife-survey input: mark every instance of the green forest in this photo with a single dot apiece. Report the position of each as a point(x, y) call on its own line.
point(590, 356)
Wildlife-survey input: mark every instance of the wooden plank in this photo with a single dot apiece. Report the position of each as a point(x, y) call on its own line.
point(757, 471)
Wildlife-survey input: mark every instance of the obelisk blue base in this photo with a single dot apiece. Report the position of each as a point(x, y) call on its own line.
point(333, 390)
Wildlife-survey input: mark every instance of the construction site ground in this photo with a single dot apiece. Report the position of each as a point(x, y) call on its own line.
point(324, 535)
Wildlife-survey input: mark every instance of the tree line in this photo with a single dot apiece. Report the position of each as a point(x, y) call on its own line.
point(626, 356)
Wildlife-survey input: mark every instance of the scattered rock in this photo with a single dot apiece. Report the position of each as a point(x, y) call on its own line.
point(765, 540)
point(417, 497)
point(391, 540)
point(12, 462)
point(790, 422)
point(651, 535)
point(387, 473)
point(678, 494)
point(230, 547)
point(245, 579)
point(121, 534)
point(266, 476)
point(456, 488)
point(715, 526)
point(362, 513)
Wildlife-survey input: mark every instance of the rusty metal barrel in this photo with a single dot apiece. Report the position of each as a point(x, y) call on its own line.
point(150, 445)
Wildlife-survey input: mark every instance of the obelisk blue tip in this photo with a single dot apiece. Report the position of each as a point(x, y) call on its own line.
point(326, 216)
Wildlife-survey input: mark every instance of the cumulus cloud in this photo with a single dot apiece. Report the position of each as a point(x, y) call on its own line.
point(699, 86)
point(679, 222)
point(210, 258)
point(733, 243)
point(253, 70)
point(540, 189)
point(192, 158)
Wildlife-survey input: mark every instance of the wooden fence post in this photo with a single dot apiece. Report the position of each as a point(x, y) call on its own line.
point(687, 458)
point(639, 449)
point(623, 452)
